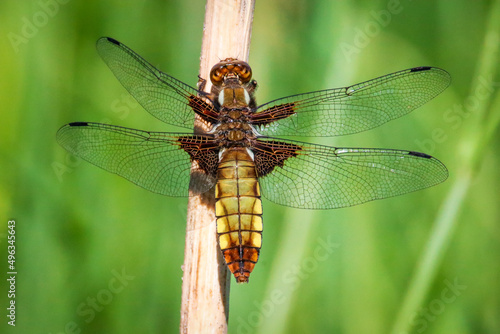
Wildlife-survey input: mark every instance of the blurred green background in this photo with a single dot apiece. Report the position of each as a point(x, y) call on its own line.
point(426, 262)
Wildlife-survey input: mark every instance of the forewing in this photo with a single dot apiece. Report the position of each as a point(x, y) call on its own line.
point(342, 111)
point(309, 176)
point(155, 161)
point(163, 96)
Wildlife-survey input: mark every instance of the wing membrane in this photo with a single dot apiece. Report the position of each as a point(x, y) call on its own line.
point(342, 111)
point(322, 177)
point(163, 96)
point(152, 160)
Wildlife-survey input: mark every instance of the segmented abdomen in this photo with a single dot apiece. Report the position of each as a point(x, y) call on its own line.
point(239, 212)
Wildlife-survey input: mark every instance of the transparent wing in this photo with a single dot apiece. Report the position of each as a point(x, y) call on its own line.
point(155, 161)
point(342, 111)
point(309, 176)
point(163, 96)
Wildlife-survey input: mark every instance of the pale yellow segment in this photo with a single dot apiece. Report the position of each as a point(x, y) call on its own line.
point(250, 205)
point(226, 173)
point(220, 210)
point(248, 187)
point(245, 237)
point(256, 239)
point(257, 223)
point(222, 225)
point(224, 241)
point(246, 222)
point(226, 188)
point(256, 206)
point(244, 171)
point(225, 164)
point(234, 222)
point(251, 222)
point(235, 238)
point(246, 163)
point(226, 206)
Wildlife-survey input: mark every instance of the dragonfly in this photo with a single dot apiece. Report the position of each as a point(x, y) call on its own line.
point(240, 156)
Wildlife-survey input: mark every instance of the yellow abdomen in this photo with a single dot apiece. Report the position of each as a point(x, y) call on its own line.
point(238, 209)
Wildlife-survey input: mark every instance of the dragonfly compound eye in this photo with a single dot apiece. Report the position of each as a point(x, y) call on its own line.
point(244, 71)
point(230, 67)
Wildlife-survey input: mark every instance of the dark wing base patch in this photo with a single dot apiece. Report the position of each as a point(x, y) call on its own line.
point(271, 154)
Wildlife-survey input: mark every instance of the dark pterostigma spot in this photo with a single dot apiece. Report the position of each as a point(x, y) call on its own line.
point(114, 41)
point(421, 68)
point(78, 124)
point(418, 154)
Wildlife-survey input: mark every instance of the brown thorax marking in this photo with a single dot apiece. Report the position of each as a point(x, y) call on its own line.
point(233, 131)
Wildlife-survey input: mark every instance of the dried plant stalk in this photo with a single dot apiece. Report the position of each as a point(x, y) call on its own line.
point(206, 280)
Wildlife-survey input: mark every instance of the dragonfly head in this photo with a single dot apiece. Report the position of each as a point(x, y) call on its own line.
point(230, 68)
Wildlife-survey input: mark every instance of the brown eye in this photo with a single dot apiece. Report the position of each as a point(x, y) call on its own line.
point(233, 67)
point(244, 72)
point(216, 75)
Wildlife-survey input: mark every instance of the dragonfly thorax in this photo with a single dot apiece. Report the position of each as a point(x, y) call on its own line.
point(234, 97)
point(234, 132)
